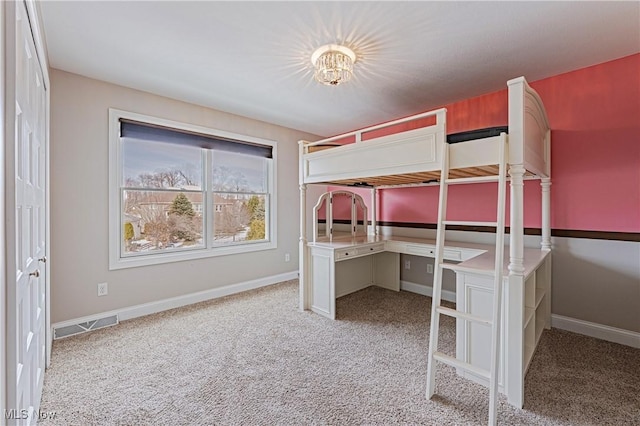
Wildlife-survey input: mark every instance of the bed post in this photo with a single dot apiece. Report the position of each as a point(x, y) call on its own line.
point(302, 254)
point(516, 247)
point(546, 195)
point(374, 211)
point(514, 338)
point(545, 183)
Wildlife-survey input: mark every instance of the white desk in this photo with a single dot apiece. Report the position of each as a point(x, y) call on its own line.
point(349, 264)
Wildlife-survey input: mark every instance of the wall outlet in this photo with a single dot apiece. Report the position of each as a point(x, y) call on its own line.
point(103, 289)
point(429, 268)
point(287, 257)
point(407, 264)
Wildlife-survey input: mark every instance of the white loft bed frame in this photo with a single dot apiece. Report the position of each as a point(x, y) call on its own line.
point(414, 158)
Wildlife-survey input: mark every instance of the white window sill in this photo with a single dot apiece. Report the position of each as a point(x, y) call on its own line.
point(159, 258)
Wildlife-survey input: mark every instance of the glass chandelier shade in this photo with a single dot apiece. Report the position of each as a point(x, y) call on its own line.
point(333, 64)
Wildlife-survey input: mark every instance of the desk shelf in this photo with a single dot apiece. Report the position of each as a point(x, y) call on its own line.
point(526, 312)
point(529, 315)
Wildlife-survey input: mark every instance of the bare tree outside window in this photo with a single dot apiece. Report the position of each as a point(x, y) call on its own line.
point(165, 219)
point(232, 220)
point(239, 182)
point(226, 179)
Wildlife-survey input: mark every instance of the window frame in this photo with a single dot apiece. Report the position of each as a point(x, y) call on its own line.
point(116, 258)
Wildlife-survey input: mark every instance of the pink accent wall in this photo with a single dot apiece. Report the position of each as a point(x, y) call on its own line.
point(594, 114)
point(595, 121)
point(342, 205)
point(474, 203)
point(342, 209)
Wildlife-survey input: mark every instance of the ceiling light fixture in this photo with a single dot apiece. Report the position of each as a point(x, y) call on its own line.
point(333, 64)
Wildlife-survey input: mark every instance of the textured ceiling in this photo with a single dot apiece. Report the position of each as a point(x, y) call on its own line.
point(253, 58)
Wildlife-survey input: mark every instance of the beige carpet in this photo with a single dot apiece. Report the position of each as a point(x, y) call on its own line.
point(254, 358)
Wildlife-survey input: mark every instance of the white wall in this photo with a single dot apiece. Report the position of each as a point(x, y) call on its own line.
point(79, 202)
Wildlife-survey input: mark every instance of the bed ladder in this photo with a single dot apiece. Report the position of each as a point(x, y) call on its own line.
point(437, 309)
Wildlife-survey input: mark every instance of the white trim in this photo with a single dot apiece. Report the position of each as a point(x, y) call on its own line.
point(116, 261)
point(184, 300)
point(200, 253)
point(9, 332)
point(599, 331)
point(426, 290)
point(3, 223)
point(33, 10)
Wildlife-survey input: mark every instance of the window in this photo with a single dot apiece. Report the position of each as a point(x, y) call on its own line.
point(181, 192)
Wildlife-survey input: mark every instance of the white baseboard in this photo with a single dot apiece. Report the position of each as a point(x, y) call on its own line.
point(611, 334)
point(599, 331)
point(176, 302)
point(426, 290)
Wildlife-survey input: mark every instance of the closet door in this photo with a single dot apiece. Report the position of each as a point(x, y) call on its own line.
point(26, 228)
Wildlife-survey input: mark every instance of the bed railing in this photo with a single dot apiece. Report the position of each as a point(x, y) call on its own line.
point(357, 135)
point(409, 145)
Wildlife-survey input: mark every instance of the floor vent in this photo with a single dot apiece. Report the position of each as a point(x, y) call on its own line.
point(83, 327)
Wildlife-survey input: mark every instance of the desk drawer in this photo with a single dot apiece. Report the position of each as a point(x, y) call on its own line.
point(371, 249)
point(346, 253)
point(351, 252)
point(424, 250)
point(420, 250)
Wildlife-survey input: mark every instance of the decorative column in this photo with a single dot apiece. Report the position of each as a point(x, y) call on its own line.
point(516, 249)
point(514, 294)
point(545, 183)
point(303, 258)
point(374, 211)
point(303, 261)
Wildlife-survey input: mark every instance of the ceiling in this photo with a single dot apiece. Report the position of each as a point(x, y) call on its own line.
point(253, 58)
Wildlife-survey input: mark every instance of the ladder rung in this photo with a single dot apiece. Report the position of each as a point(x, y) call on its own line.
point(475, 179)
point(463, 315)
point(454, 362)
point(458, 268)
point(466, 223)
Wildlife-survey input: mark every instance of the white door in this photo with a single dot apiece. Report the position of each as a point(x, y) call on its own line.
point(26, 336)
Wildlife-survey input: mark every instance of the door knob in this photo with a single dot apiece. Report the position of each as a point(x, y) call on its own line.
point(35, 273)
point(43, 259)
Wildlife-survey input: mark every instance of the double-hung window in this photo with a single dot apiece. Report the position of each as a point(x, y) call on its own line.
point(180, 191)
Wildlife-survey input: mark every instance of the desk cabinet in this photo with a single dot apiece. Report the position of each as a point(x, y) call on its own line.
point(526, 312)
point(337, 272)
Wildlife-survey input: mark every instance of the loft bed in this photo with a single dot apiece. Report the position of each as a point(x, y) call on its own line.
point(373, 158)
point(413, 157)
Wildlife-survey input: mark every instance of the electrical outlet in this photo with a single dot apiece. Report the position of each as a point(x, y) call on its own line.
point(103, 289)
point(407, 264)
point(287, 257)
point(429, 268)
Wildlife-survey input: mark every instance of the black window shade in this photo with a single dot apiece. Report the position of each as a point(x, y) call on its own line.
point(151, 132)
